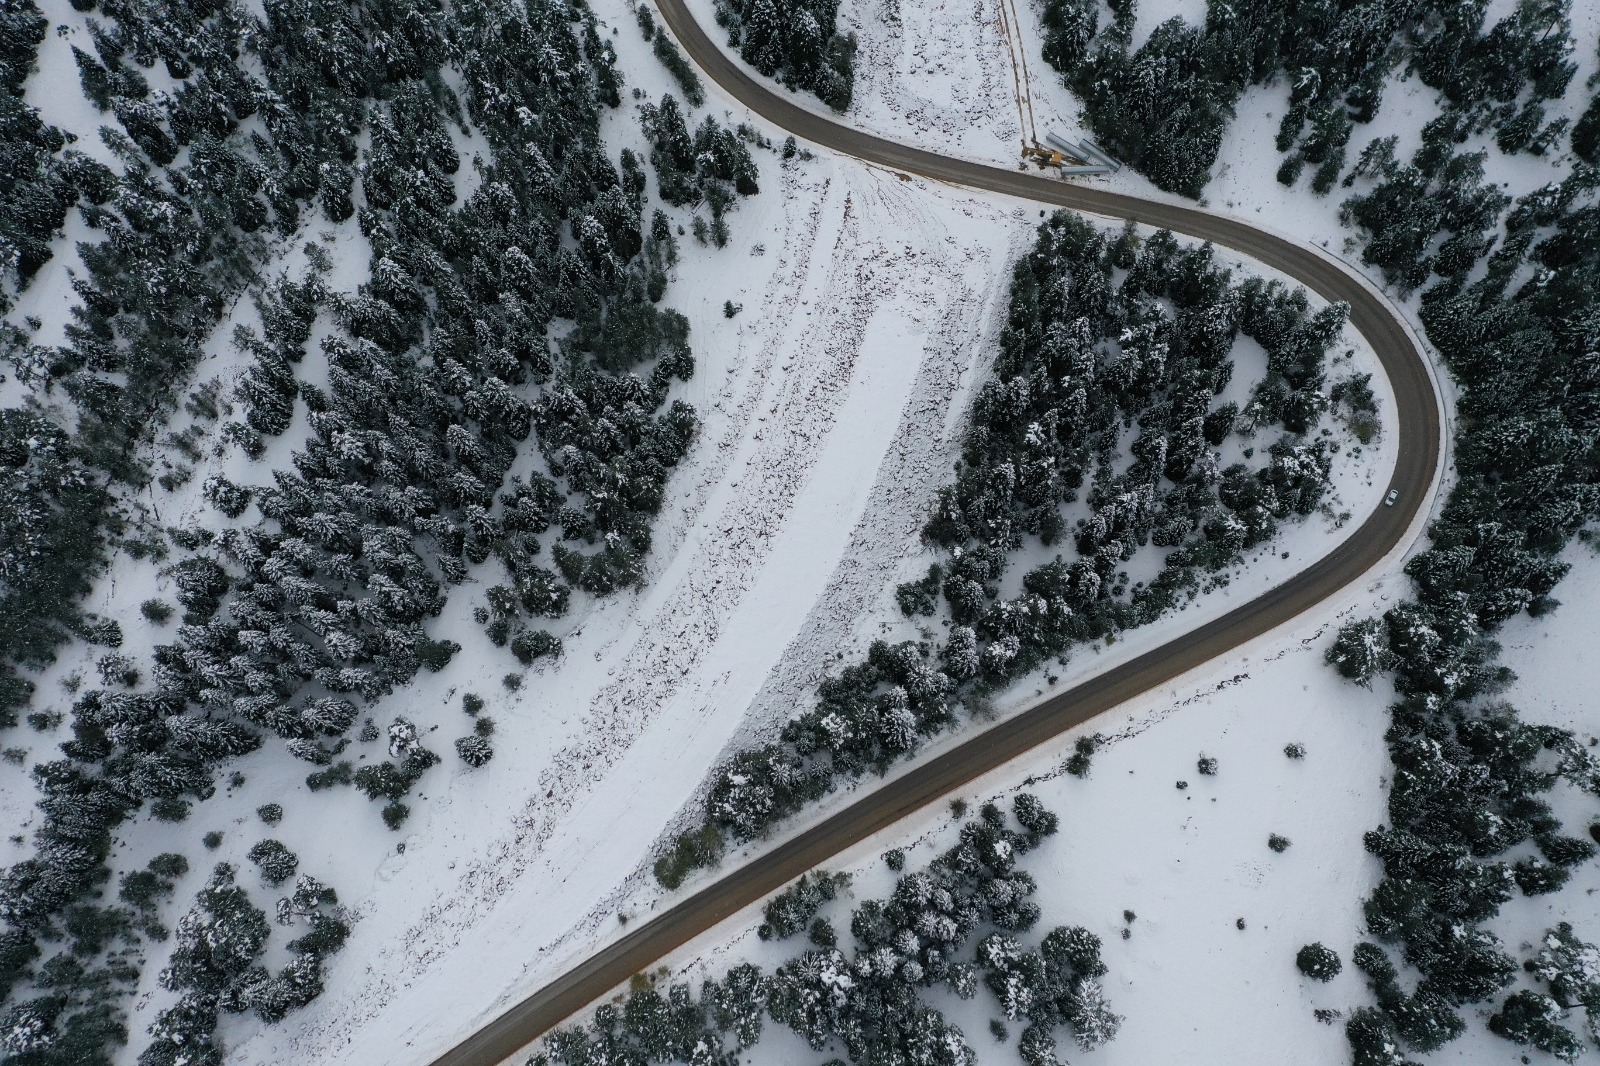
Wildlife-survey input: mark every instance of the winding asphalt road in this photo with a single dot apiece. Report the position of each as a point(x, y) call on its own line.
point(1417, 408)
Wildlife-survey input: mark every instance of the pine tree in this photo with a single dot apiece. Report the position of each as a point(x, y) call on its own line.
point(474, 750)
point(1318, 962)
point(1529, 1017)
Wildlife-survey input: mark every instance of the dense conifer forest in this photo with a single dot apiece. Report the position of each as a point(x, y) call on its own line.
point(514, 303)
point(1163, 107)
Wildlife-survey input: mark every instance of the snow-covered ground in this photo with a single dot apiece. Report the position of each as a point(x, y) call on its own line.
point(831, 405)
point(1186, 977)
point(1190, 863)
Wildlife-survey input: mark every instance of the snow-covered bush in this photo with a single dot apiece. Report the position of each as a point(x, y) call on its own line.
point(1318, 962)
point(227, 497)
point(1533, 1018)
point(792, 909)
point(275, 861)
point(474, 750)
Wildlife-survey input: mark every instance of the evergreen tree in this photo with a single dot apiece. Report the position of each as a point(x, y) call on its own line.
point(1318, 962)
point(1529, 1017)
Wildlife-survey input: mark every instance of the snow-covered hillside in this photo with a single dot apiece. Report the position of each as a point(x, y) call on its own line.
point(831, 401)
point(1193, 862)
point(841, 395)
point(839, 339)
point(867, 307)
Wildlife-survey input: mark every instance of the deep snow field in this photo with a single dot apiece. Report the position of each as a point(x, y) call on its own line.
point(831, 407)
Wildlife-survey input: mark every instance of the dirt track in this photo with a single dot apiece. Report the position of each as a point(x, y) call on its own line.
point(1419, 454)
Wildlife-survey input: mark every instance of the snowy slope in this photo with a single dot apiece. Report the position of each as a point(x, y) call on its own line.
point(1187, 976)
point(830, 405)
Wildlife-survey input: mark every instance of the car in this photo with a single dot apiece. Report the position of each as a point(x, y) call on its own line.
point(1394, 494)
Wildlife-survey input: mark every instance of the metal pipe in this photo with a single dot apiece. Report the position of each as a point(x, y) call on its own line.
point(1065, 145)
point(1094, 152)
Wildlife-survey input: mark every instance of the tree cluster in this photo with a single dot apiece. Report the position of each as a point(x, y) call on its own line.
point(52, 508)
point(1433, 216)
point(713, 166)
point(797, 43)
point(1163, 107)
point(1586, 132)
point(41, 183)
point(1570, 969)
point(216, 965)
point(1500, 76)
point(869, 1000)
point(794, 908)
point(1533, 1018)
point(667, 51)
point(1102, 336)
